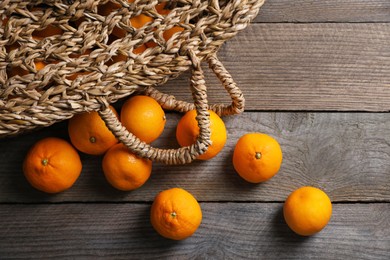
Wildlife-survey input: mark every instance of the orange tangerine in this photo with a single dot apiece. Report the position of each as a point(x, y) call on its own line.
point(257, 157)
point(144, 117)
point(124, 170)
point(89, 134)
point(52, 165)
point(187, 132)
point(136, 21)
point(175, 214)
point(307, 210)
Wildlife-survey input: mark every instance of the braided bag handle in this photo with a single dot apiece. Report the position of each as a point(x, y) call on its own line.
point(187, 154)
point(169, 102)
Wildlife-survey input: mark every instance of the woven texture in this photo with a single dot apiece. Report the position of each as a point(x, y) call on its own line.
point(91, 56)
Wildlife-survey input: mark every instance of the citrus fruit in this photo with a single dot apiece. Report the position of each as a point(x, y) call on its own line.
point(136, 21)
point(175, 214)
point(39, 63)
point(4, 21)
point(170, 32)
point(50, 30)
point(140, 20)
point(161, 9)
point(257, 157)
point(143, 117)
point(89, 134)
point(139, 49)
point(52, 165)
point(20, 71)
point(121, 57)
point(166, 35)
point(187, 132)
point(124, 170)
point(107, 8)
point(307, 210)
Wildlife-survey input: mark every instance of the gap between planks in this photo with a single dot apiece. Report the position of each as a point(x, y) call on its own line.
point(200, 201)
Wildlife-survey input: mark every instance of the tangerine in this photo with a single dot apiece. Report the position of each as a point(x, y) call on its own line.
point(170, 32)
point(307, 210)
point(137, 21)
point(257, 157)
point(161, 9)
point(175, 214)
point(14, 71)
point(89, 134)
point(143, 117)
point(48, 31)
point(187, 132)
point(52, 165)
point(122, 57)
point(124, 170)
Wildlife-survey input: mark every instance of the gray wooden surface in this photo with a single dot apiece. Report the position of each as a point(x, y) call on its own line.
point(312, 11)
point(316, 76)
point(310, 66)
point(346, 154)
point(228, 231)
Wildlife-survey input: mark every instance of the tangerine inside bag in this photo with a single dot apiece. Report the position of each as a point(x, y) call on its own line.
point(72, 57)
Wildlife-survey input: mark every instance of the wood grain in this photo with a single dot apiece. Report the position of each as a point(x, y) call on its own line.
point(301, 55)
point(228, 231)
point(346, 154)
point(325, 67)
point(350, 11)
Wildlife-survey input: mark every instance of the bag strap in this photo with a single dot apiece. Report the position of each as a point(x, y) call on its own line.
point(186, 154)
point(169, 102)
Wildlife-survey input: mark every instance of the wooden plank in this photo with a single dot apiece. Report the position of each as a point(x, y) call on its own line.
point(350, 11)
point(333, 67)
point(228, 231)
point(346, 154)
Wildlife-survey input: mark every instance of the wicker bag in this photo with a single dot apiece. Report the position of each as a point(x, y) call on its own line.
point(43, 95)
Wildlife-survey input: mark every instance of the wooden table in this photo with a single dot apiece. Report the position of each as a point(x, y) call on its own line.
point(316, 76)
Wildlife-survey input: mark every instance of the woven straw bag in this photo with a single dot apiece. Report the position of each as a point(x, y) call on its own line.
point(39, 97)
